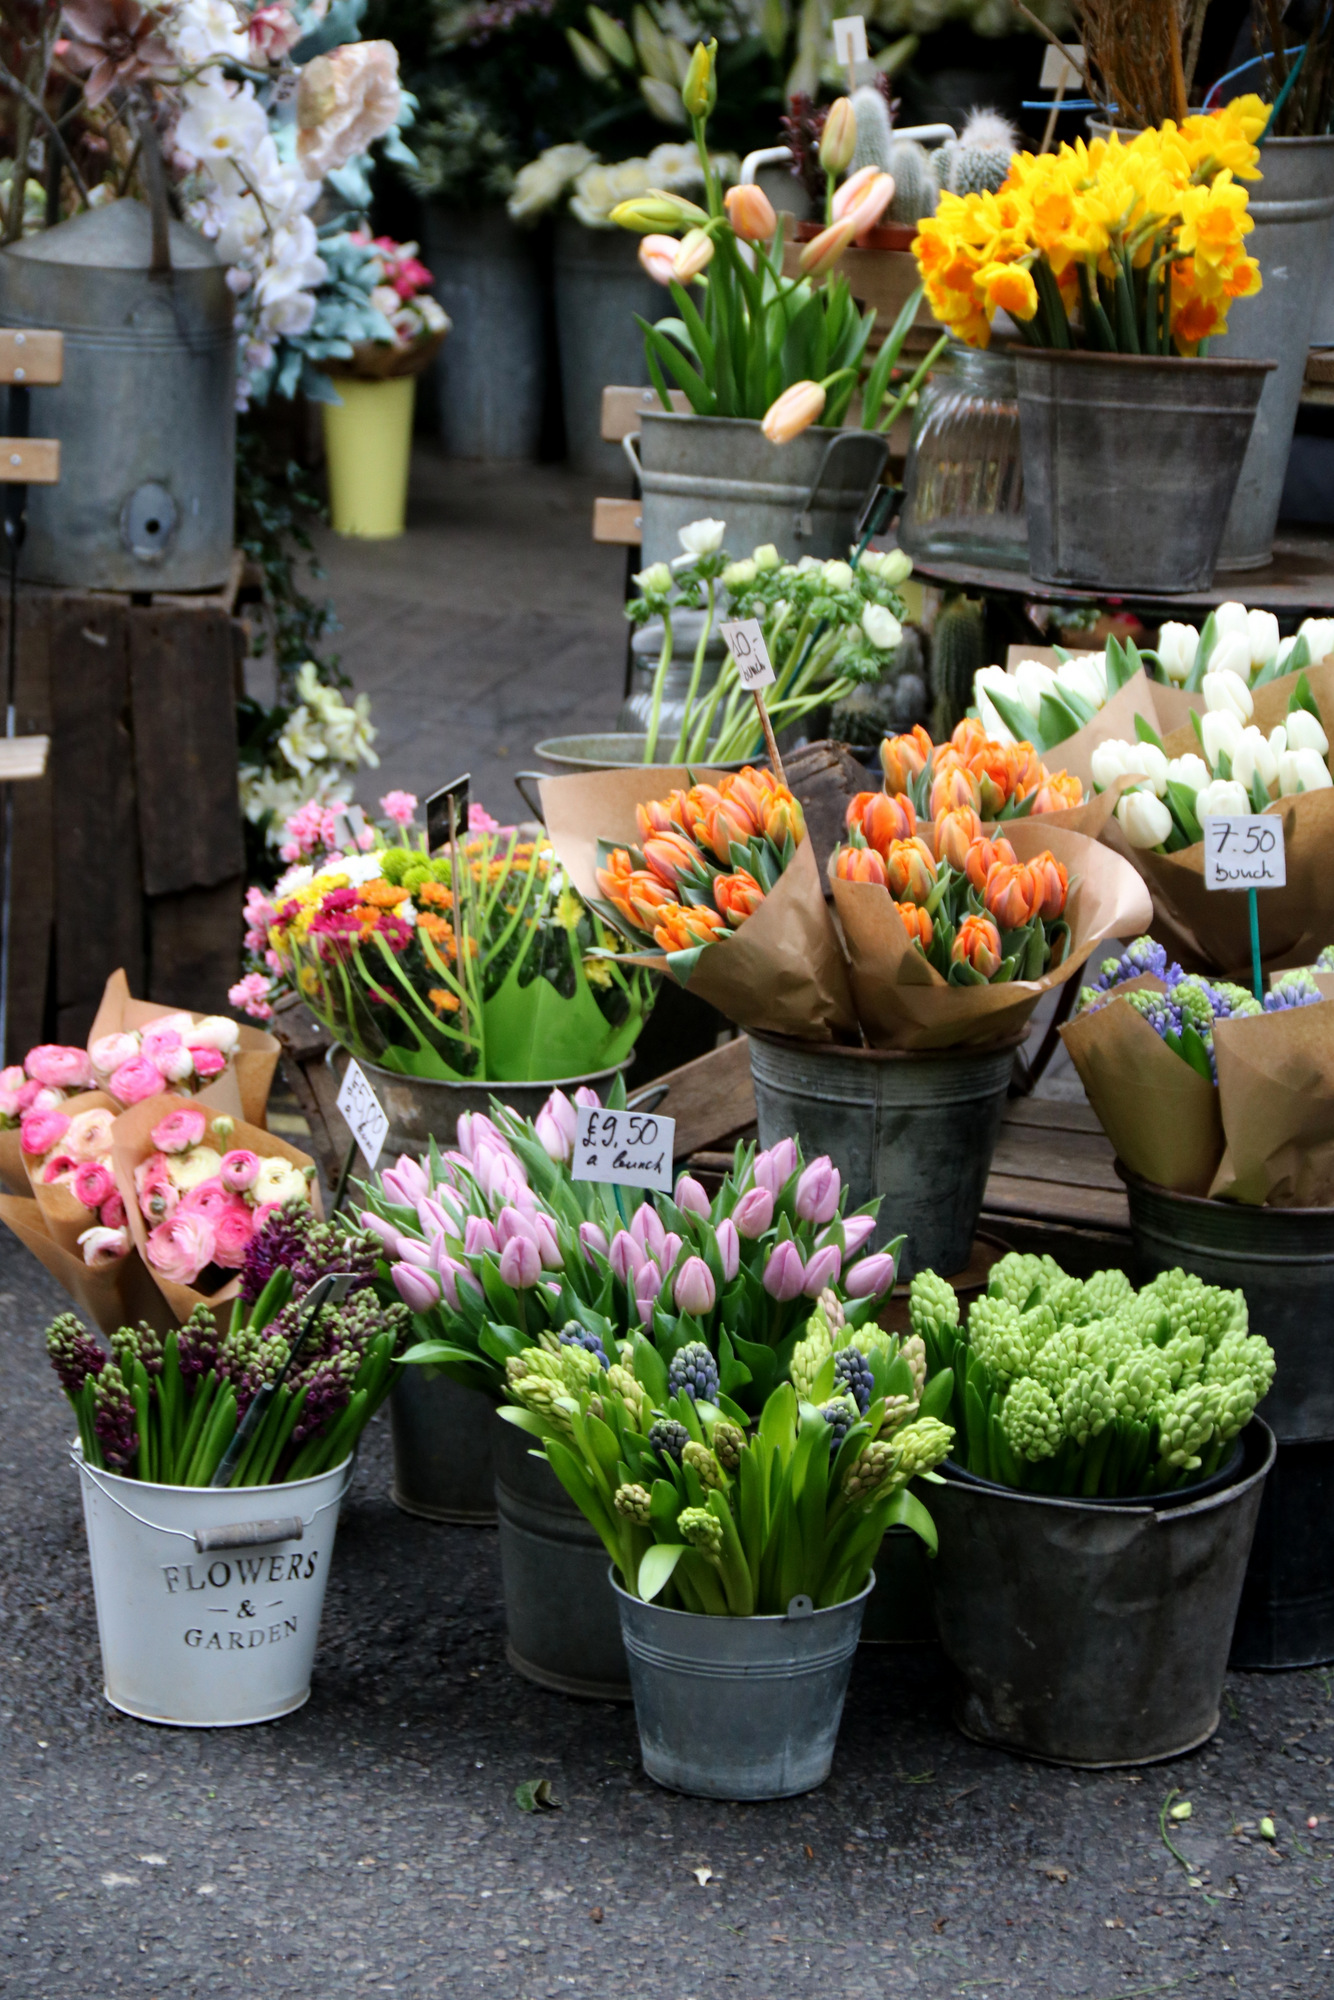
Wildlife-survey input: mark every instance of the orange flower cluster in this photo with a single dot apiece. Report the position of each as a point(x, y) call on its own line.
point(683, 839)
point(974, 770)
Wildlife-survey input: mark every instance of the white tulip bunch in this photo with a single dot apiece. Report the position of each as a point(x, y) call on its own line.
point(1241, 769)
point(1245, 644)
point(1044, 705)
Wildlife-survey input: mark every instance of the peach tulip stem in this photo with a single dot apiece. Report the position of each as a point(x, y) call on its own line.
point(659, 682)
point(713, 199)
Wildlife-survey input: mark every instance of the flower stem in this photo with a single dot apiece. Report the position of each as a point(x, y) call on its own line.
point(659, 682)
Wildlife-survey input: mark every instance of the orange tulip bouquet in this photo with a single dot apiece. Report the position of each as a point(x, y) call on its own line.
point(960, 896)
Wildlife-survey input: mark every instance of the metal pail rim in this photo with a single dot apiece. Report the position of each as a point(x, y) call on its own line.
point(1132, 1179)
point(1170, 1506)
point(959, 1052)
point(491, 1083)
point(1087, 357)
point(756, 1618)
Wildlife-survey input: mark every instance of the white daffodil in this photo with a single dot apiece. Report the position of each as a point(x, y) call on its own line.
point(1177, 647)
point(1225, 694)
point(1223, 796)
point(1144, 820)
point(1305, 732)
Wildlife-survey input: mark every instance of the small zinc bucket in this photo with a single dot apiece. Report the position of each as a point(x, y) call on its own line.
point(209, 1599)
point(442, 1449)
point(368, 445)
point(739, 1708)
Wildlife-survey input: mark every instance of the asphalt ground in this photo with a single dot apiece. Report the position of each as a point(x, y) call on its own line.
point(371, 1843)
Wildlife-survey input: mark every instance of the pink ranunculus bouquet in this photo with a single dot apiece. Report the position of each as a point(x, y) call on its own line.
point(67, 1154)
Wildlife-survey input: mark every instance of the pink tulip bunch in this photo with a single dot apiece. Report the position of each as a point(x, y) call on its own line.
point(496, 1246)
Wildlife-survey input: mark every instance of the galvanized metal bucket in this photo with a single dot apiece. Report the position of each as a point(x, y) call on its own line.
point(916, 1127)
point(1292, 207)
point(739, 1708)
point(422, 1108)
point(611, 751)
point(146, 413)
point(805, 497)
point(1130, 464)
point(600, 285)
point(209, 1599)
point(490, 375)
point(442, 1449)
point(1093, 1634)
point(563, 1631)
point(1282, 1259)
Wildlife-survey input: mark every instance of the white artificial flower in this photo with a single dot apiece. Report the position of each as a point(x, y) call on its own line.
point(350, 734)
point(540, 185)
point(197, 29)
point(302, 741)
point(881, 627)
point(1319, 636)
point(674, 167)
point(1302, 771)
point(221, 121)
point(284, 288)
point(1224, 694)
point(701, 538)
point(1144, 820)
point(1262, 627)
point(1085, 675)
point(1231, 655)
point(1254, 757)
point(1221, 732)
point(985, 679)
point(1188, 770)
point(264, 793)
point(1177, 647)
point(1222, 797)
point(1031, 681)
point(1305, 733)
point(598, 189)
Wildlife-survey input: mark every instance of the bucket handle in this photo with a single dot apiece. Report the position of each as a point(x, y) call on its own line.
point(240, 1535)
point(628, 445)
point(800, 1607)
point(804, 526)
point(522, 781)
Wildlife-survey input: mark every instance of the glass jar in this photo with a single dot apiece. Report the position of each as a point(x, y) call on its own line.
point(964, 478)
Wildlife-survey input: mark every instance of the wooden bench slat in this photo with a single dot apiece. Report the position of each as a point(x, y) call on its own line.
point(33, 360)
point(619, 521)
point(29, 461)
point(623, 407)
point(709, 1098)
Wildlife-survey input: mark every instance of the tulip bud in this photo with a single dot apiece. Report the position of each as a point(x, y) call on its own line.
point(587, 1099)
point(774, 1168)
point(655, 211)
point(479, 1236)
point(1222, 797)
point(1319, 636)
point(863, 210)
point(557, 1126)
point(418, 1289)
point(1177, 647)
point(626, 1258)
point(593, 1240)
point(699, 92)
point(793, 412)
point(548, 1248)
point(512, 1222)
point(1262, 634)
point(646, 1227)
point(1227, 694)
point(1192, 771)
point(406, 1182)
point(1305, 733)
point(750, 212)
point(822, 1269)
point(823, 251)
point(977, 943)
point(1220, 733)
point(690, 1196)
point(1253, 758)
point(847, 196)
point(784, 1273)
point(871, 1277)
point(882, 628)
point(1144, 820)
point(729, 1248)
point(857, 1233)
point(754, 1213)
point(386, 1231)
point(818, 1191)
point(838, 140)
point(520, 1263)
point(412, 1251)
point(694, 1290)
point(1300, 771)
point(693, 253)
point(1231, 655)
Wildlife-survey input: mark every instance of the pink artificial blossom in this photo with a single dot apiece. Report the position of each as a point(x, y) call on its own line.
point(179, 1130)
point(272, 31)
point(399, 807)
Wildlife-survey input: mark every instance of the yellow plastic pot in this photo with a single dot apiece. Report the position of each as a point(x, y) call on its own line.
point(368, 444)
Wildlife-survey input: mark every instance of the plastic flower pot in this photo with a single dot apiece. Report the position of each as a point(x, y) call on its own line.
point(442, 1450)
point(1093, 1632)
point(209, 1599)
point(368, 447)
point(739, 1708)
point(562, 1629)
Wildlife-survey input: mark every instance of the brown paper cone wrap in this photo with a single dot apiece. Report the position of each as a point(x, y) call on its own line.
point(13, 1173)
point(131, 1145)
point(254, 1063)
point(1115, 719)
point(115, 1296)
point(1174, 708)
point(1160, 1115)
point(1276, 1097)
point(903, 1002)
point(1209, 929)
point(63, 1213)
point(781, 971)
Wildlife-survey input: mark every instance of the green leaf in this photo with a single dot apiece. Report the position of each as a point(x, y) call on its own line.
point(1181, 802)
point(1194, 680)
point(1146, 733)
point(907, 1511)
point(937, 1396)
point(1195, 1052)
point(534, 1795)
point(1018, 720)
point(1301, 697)
point(650, 1370)
point(657, 1567)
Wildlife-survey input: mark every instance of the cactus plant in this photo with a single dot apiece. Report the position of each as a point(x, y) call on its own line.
point(958, 649)
point(875, 133)
point(979, 159)
point(916, 189)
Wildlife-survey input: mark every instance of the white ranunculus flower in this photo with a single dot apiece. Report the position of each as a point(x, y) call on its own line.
point(1188, 770)
point(215, 1031)
point(540, 185)
point(1302, 771)
point(1319, 636)
point(278, 1180)
point(190, 1170)
point(881, 627)
point(1231, 655)
point(1262, 627)
point(1031, 681)
point(1177, 647)
point(1253, 757)
point(1220, 798)
point(838, 575)
point(1085, 675)
point(1224, 694)
point(1221, 731)
point(1305, 733)
point(984, 680)
point(701, 538)
point(1144, 820)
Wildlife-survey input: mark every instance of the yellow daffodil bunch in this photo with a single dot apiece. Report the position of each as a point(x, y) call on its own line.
point(1125, 247)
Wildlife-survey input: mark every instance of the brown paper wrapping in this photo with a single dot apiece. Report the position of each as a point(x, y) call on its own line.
point(1174, 708)
point(1161, 1116)
point(1276, 1098)
point(115, 1296)
point(1209, 929)
point(781, 972)
point(131, 1145)
point(63, 1213)
point(903, 1002)
point(1115, 719)
point(255, 1060)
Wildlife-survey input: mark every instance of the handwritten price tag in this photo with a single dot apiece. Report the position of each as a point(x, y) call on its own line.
point(745, 642)
point(1244, 851)
point(630, 1148)
point(850, 39)
point(365, 1115)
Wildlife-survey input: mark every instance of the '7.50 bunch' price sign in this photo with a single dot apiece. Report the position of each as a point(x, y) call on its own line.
point(626, 1148)
point(1244, 851)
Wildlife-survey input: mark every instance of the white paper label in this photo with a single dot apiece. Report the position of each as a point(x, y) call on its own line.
point(850, 39)
point(630, 1148)
point(745, 642)
point(1058, 68)
point(365, 1115)
point(1244, 851)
